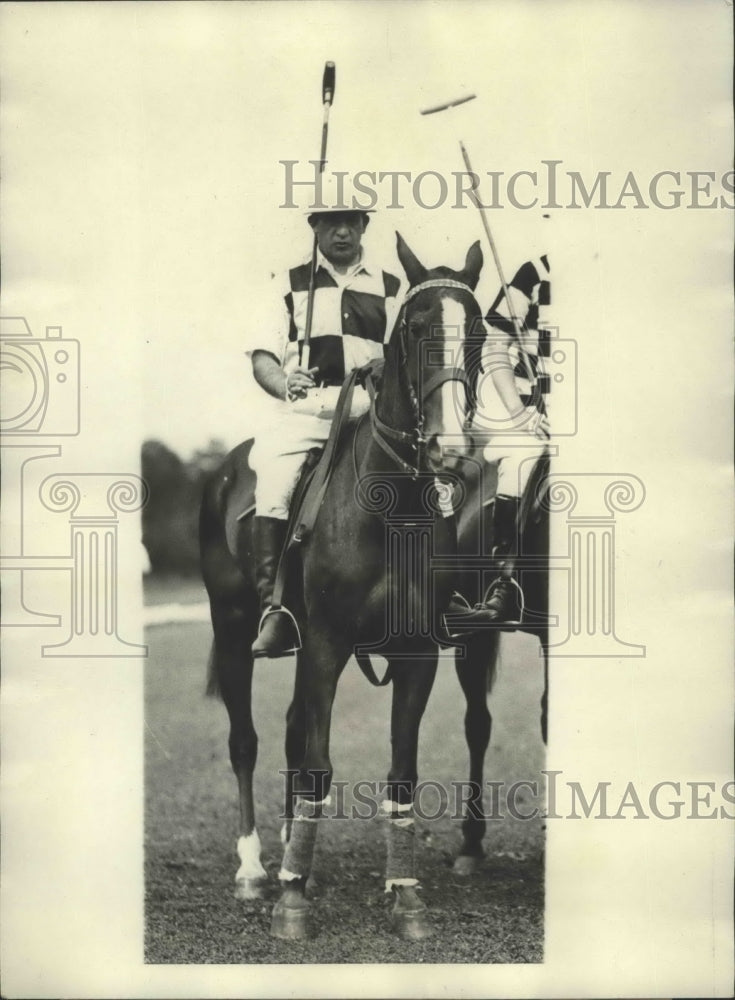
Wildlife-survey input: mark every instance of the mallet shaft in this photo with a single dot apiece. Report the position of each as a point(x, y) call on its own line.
point(486, 225)
point(328, 86)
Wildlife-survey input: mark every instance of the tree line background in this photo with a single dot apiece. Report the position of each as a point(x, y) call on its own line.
point(171, 515)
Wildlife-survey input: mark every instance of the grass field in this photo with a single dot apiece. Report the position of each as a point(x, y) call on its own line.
point(191, 818)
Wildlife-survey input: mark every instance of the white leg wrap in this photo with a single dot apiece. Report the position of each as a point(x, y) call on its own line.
point(393, 811)
point(401, 843)
point(299, 853)
point(286, 876)
point(395, 807)
point(248, 850)
point(309, 808)
point(390, 882)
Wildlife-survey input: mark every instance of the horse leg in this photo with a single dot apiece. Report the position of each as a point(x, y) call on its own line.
point(472, 672)
point(545, 695)
point(321, 662)
point(412, 684)
point(234, 612)
point(234, 630)
point(295, 748)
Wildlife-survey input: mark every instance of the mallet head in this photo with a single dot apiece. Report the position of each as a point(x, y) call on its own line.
point(328, 81)
point(448, 104)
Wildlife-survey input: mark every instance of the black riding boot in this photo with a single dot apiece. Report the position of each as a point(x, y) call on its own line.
point(503, 603)
point(278, 633)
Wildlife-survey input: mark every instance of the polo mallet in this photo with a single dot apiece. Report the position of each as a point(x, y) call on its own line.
point(328, 81)
point(449, 104)
point(486, 225)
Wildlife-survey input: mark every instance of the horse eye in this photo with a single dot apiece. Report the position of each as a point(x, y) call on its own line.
point(415, 326)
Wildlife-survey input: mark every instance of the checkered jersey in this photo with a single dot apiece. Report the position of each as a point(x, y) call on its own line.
point(353, 316)
point(530, 295)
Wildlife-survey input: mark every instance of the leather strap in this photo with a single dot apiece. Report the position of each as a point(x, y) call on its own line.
point(310, 496)
point(365, 664)
point(323, 472)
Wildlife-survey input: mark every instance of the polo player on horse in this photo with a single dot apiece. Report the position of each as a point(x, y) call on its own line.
point(517, 425)
point(354, 308)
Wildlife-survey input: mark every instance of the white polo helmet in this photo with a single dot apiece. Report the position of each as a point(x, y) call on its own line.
point(338, 191)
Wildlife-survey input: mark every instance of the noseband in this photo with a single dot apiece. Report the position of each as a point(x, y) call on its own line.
point(415, 439)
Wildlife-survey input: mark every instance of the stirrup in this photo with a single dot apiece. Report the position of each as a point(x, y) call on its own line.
point(459, 598)
point(452, 638)
point(521, 598)
point(296, 646)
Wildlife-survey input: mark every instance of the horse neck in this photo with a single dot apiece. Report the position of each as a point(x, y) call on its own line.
point(393, 404)
point(393, 407)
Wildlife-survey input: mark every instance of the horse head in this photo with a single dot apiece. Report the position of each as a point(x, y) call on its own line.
point(435, 349)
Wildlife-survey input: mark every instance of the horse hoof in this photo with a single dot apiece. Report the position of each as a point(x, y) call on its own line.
point(411, 917)
point(249, 888)
point(289, 919)
point(466, 864)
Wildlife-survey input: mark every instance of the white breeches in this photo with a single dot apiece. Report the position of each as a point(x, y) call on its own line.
point(516, 452)
point(280, 449)
point(516, 455)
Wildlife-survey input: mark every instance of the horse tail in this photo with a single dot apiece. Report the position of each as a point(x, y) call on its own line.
point(213, 688)
point(231, 596)
point(210, 531)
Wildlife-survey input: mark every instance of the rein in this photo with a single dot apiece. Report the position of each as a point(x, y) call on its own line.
point(382, 433)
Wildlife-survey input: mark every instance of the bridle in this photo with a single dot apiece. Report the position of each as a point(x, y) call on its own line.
point(415, 439)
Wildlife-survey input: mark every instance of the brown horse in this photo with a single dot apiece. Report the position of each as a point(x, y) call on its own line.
point(360, 589)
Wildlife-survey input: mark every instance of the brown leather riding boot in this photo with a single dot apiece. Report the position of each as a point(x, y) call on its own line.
point(503, 604)
point(278, 634)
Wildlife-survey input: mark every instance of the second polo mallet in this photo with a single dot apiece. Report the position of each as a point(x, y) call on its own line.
point(328, 83)
point(486, 226)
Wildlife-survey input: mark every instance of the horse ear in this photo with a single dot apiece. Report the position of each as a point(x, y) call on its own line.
point(473, 265)
point(415, 270)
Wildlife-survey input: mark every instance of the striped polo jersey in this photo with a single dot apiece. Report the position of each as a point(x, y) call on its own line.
point(353, 316)
point(530, 294)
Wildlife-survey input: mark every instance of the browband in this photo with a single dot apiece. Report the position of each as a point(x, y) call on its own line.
point(436, 283)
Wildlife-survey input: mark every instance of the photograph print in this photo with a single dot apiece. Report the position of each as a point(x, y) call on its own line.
point(366, 582)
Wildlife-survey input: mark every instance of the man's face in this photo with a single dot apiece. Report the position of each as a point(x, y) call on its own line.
point(339, 235)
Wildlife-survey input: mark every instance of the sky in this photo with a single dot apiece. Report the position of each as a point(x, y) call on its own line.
point(143, 146)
